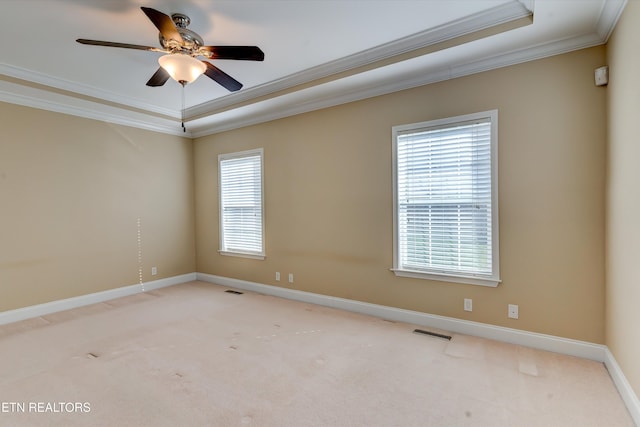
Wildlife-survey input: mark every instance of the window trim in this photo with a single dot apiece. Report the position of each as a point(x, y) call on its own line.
point(483, 280)
point(239, 154)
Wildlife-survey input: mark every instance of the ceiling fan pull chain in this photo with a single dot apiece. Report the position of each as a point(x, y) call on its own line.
point(183, 84)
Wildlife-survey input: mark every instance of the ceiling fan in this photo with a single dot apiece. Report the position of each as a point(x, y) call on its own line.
point(182, 47)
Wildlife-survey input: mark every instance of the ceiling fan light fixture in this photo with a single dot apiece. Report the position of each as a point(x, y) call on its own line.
point(182, 47)
point(182, 68)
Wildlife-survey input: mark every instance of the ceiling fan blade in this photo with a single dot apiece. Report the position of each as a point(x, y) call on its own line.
point(164, 23)
point(123, 45)
point(222, 78)
point(159, 78)
point(246, 53)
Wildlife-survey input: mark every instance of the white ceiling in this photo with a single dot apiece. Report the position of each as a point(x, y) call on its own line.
point(318, 53)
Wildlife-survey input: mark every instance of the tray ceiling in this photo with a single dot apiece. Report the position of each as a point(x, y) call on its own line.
point(317, 53)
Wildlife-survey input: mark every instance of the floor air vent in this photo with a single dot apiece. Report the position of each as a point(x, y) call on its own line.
point(229, 291)
point(433, 334)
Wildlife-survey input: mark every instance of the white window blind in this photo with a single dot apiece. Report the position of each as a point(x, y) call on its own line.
point(445, 211)
point(241, 207)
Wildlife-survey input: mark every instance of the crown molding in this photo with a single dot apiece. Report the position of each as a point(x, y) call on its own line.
point(611, 11)
point(44, 100)
point(81, 90)
point(378, 88)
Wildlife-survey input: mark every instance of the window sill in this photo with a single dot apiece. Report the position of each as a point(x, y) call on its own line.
point(243, 255)
point(468, 280)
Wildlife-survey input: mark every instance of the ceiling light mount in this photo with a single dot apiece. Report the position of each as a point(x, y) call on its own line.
point(181, 20)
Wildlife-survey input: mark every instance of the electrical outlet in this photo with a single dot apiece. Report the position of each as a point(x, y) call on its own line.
point(290, 277)
point(277, 276)
point(154, 271)
point(468, 304)
point(513, 311)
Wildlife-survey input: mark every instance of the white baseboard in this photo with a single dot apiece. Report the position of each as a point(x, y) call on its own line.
point(624, 388)
point(69, 303)
point(514, 336)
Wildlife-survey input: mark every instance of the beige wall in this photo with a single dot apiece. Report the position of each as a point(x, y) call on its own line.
point(72, 191)
point(328, 198)
point(623, 195)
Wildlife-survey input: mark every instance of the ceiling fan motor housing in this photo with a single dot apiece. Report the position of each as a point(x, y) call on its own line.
point(192, 40)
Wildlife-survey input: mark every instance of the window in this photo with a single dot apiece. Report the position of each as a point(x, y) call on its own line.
point(241, 207)
point(445, 199)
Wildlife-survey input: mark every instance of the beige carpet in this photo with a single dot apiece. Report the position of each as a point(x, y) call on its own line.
point(193, 355)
